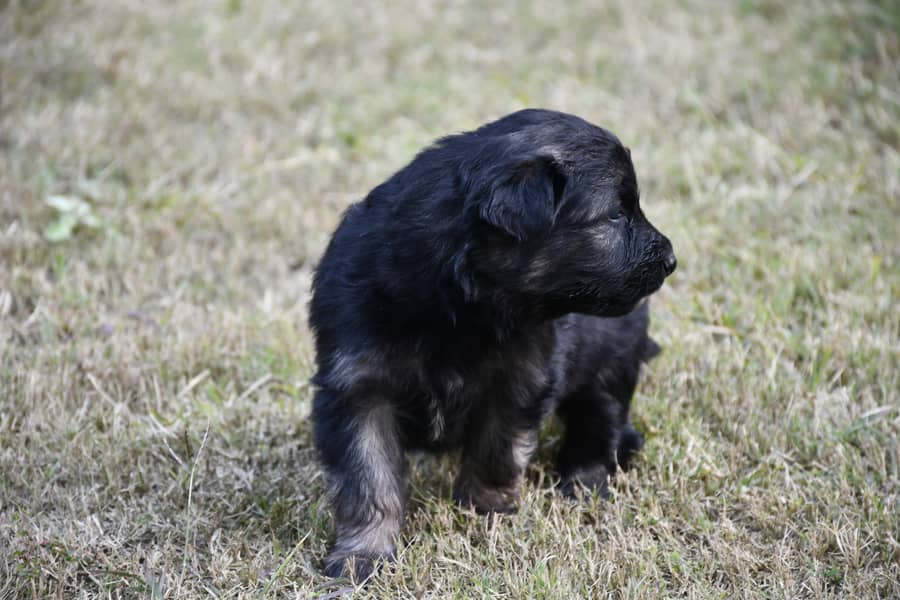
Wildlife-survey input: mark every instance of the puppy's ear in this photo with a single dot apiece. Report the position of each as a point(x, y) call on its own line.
point(523, 198)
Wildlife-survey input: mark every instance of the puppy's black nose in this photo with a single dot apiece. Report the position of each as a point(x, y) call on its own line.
point(670, 262)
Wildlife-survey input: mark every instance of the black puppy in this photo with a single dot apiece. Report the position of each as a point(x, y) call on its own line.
point(501, 274)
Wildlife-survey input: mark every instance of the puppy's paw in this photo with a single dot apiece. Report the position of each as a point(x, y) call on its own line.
point(486, 500)
point(486, 509)
point(630, 444)
point(358, 568)
point(585, 480)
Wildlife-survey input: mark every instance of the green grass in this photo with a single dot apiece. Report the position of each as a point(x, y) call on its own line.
point(217, 143)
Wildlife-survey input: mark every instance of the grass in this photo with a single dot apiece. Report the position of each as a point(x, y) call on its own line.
point(154, 434)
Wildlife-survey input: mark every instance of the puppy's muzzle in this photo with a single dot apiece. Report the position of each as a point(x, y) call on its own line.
point(670, 262)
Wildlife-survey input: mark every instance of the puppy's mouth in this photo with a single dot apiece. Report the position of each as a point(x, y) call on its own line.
point(654, 278)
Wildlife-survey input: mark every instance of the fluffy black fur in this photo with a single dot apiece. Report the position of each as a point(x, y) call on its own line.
point(497, 277)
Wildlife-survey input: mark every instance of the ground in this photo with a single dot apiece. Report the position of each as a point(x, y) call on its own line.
point(170, 172)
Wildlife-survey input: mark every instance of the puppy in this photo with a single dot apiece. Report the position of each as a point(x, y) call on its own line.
point(500, 275)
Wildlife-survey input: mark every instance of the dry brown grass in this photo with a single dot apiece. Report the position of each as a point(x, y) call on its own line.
point(154, 438)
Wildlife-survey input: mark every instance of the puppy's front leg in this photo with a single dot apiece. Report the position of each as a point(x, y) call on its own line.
point(366, 468)
point(494, 459)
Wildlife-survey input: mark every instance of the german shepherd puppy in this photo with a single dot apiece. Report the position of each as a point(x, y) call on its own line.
point(499, 276)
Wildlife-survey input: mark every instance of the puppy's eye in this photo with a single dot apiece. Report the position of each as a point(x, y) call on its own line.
point(617, 215)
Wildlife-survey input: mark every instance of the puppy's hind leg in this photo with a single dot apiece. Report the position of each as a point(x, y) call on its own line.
point(630, 443)
point(366, 468)
point(593, 431)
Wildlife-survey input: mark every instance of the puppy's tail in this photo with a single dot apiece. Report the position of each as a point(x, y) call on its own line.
point(650, 350)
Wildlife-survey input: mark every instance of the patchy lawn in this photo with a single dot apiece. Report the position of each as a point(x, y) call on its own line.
point(170, 172)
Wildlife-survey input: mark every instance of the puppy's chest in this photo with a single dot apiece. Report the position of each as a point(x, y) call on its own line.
point(444, 400)
point(437, 405)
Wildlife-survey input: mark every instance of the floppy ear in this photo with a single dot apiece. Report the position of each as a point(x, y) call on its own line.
point(523, 198)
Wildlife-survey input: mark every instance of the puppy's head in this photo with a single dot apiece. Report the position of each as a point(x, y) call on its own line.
point(560, 223)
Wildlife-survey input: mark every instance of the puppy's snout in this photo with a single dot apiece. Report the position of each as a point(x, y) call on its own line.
point(670, 262)
point(666, 253)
